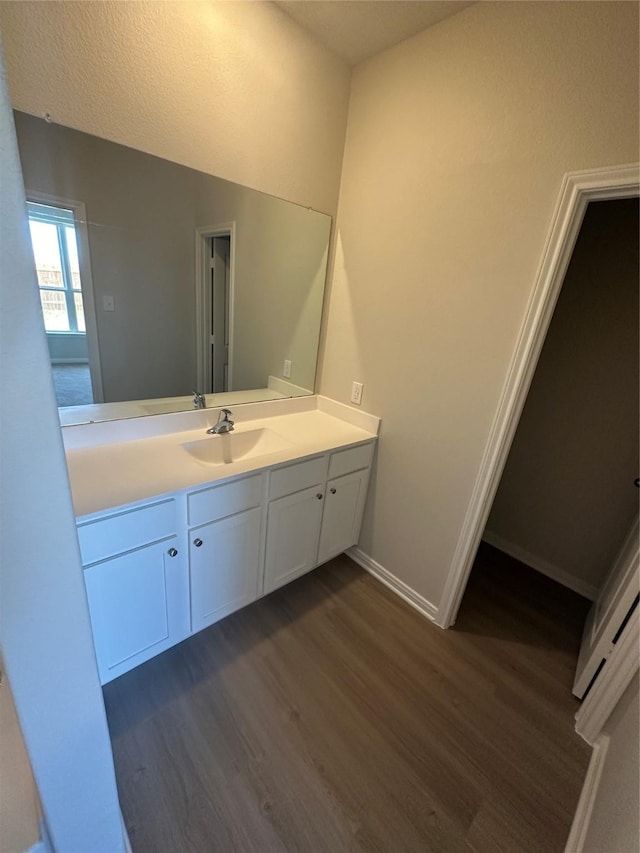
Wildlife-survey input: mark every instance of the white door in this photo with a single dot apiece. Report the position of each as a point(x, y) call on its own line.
point(608, 613)
point(219, 313)
point(342, 516)
point(136, 606)
point(224, 558)
point(293, 529)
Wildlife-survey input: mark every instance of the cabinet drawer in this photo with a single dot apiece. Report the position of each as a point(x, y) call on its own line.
point(226, 499)
point(124, 531)
point(351, 459)
point(294, 478)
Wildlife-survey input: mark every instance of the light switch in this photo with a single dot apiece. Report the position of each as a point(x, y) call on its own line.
point(108, 303)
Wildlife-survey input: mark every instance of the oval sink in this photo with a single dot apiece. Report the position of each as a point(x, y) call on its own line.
point(233, 446)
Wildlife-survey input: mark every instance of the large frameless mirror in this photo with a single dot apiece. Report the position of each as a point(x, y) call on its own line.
point(157, 280)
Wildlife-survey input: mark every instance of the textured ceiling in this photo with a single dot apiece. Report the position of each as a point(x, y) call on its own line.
point(358, 29)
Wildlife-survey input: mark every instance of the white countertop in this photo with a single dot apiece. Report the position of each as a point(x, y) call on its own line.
point(148, 460)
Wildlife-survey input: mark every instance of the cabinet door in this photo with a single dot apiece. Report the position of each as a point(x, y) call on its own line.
point(343, 508)
point(138, 606)
point(224, 561)
point(293, 528)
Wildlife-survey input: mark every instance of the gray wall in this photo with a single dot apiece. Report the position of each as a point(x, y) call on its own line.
point(567, 495)
point(67, 348)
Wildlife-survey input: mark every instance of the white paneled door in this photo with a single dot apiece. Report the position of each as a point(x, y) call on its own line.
point(608, 614)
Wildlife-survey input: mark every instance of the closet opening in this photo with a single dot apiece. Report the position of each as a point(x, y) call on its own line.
point(563, 524)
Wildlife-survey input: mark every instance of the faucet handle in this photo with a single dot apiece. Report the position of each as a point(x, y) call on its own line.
point(199, 401)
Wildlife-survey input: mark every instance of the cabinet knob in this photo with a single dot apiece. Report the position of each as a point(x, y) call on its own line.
point(319, 495)
point(172, 552)
point(197, 542)
point(333, 491)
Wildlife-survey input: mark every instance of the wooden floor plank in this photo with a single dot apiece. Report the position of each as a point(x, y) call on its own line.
point(330, 716)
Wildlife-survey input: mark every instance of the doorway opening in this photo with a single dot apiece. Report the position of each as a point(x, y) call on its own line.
point(567, 499)
point(215, 268)
point(594, 411)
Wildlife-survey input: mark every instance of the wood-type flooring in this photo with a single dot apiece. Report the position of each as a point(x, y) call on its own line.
point(330, 717)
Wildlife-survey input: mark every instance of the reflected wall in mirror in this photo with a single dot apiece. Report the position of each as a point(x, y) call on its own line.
point(175, 280)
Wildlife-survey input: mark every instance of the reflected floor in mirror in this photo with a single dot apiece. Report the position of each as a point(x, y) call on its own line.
point(72, 383)
point(330, 716)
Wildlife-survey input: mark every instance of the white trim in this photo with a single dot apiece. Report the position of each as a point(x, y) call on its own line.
point(417, 601)
point(578, 189)
point(613, 680)
point(588, 590)
point(226, 229)
point(86, 281)
point(582, 817)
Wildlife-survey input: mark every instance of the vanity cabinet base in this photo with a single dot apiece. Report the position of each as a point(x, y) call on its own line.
point(148, 590)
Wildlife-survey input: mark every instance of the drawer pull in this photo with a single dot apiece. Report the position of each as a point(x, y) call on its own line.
point(172, 552)
point(333, 491)
point(197, 543)
point(319, 495)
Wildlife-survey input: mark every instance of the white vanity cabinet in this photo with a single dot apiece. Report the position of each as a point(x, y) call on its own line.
point(225, 551)
point(342, 516)
point(315, 512)
point(157, 572)
point(135, 575)
point(296, 494)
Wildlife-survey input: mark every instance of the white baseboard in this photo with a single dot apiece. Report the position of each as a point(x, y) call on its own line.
point(582, 817)
point(576, 584)
point(417, 601)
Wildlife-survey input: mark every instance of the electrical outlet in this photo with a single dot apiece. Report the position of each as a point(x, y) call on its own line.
point(108, 303)
point(287, 369)
point(356, 393)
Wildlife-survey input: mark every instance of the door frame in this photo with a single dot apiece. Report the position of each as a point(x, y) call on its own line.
point(86, 280)
point(577, 190)
point(226, 229)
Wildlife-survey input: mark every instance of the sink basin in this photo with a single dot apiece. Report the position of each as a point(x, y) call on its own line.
point(233, 446)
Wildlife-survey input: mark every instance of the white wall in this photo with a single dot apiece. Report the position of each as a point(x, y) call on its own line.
point(614, 825)
point(45, 633)
point(575, 453)
point(235, 89)
point(457, 143)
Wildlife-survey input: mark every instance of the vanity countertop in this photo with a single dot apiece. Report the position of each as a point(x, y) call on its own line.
point(145, 458)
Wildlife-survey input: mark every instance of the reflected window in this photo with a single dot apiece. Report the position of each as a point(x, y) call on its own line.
point(55, 248)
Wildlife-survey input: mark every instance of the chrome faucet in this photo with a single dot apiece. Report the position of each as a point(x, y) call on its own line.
point(198, 400)
point(224, 424)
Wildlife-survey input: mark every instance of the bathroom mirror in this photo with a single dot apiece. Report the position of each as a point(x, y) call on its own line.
point(157, 279)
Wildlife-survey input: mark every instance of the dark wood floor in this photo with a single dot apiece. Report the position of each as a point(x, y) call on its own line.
point(332, 717)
